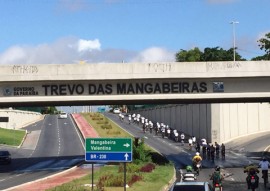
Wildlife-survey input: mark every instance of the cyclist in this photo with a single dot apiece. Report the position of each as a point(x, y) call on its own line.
point(264, 165)
point(129, 119)
point(197, 160)
point(217, 177)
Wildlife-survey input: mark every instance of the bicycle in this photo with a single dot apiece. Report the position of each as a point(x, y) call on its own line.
point(265, 177)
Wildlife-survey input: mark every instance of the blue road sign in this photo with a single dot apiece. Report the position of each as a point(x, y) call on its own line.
point(110, 157)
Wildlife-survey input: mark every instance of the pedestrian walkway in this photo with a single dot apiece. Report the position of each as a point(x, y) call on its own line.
point(65, 176)
point(86, 129)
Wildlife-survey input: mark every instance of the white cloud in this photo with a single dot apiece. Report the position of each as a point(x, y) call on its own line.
point(155, 54)
point(88, 45)
point(70, 50)
point(13, 55)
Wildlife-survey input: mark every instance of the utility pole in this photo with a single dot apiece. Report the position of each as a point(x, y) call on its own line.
point(234, 47)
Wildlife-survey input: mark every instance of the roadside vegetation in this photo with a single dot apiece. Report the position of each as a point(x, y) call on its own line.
point(11, 137)
point(149, 170)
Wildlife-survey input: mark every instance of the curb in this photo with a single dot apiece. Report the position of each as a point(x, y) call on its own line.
point(48, 177)
point(170, 183)
point(267, 149)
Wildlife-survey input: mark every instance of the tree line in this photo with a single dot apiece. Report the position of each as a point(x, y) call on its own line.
point(220, 54)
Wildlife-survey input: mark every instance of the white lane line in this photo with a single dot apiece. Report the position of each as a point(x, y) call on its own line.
point(59, 141)
point(74, 126)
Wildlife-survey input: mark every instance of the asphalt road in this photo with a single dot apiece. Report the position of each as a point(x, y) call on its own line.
point(240, 152)
point(52, 145)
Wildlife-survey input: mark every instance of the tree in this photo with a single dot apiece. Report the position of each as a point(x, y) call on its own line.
point(209, 54)
point(264, 44)
point(193, 55)
point(219, 54)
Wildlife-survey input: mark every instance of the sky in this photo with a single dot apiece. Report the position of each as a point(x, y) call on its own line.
point(102, 31)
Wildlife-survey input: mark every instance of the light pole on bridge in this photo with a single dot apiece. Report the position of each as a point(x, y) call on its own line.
point(234, 47)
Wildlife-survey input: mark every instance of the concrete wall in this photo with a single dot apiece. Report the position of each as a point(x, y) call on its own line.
point(215, 122)
point(18, 118)
point(241, 119)
point(193, 119)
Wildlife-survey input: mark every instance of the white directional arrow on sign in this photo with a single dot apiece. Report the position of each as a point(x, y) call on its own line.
point(126, 156)
point(126, 145)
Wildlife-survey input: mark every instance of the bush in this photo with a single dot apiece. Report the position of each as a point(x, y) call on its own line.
point(131, 168)
point(140, 153)
point(97, 118)
point(113, 132)
point(148, 167)
point(109, 126)
point(111, 180)
point(158, 158)
point(134, 178)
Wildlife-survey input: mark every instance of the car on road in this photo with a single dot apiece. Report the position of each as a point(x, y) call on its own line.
point(63, 115)
point(116, 110)
point(191, 186)
point(5, 157)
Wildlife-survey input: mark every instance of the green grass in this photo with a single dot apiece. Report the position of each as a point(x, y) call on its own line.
point(154, 181)
point(115, 131)
point(11, 137)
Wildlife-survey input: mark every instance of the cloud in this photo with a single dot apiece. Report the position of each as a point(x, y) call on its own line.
point(88, 45)
point(12, 55)
point(154, 54)
point(70, 50)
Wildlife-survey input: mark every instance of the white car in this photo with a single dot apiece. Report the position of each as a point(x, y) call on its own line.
point(191, 186)
point(63, 115)
point(116, 110)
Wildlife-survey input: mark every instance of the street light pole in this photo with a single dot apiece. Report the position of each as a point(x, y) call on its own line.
point(233, 24)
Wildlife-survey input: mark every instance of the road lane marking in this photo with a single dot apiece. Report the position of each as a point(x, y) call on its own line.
point(75, 127)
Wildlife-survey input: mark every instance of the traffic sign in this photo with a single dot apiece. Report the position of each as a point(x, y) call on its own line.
point(108, 149)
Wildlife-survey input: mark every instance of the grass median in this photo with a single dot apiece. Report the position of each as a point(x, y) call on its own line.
point(149, 170)
point(11, 137)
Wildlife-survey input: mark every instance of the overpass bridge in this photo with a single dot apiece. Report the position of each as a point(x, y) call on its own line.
point(161, 83)
point(135, 83)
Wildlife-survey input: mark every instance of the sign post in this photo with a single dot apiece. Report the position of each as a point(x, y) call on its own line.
point(108, 150)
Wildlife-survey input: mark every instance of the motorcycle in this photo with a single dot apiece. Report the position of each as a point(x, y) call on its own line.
point(188, 177)
point(217, 187)
point(197, 167)
point(253, 181)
